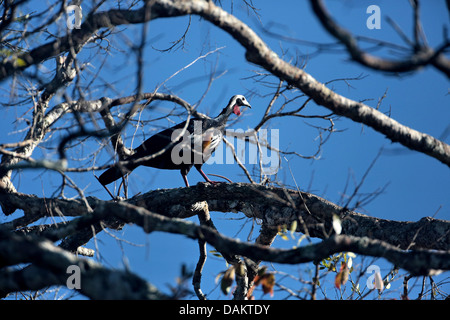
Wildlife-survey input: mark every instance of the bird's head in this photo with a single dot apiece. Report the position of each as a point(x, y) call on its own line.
point(236, 102)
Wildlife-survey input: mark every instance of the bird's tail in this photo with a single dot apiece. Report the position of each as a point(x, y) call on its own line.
point(114, 173)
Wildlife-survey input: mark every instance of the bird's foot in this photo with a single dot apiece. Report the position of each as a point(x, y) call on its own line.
point(210, 182)
point(216, 175)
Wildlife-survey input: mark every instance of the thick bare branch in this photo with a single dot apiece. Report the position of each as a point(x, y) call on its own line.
point(49, 267)
point(274, 206)
point(417, 262)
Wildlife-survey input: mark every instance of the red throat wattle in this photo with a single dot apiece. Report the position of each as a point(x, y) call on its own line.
point(236, 110)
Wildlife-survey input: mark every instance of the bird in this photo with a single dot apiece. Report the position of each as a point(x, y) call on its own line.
point(175, 148)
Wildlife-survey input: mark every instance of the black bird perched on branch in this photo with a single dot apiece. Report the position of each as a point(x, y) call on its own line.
point(179, 147)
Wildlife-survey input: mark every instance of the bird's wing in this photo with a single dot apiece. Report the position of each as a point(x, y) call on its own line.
point(211, 139)
point(158, 142)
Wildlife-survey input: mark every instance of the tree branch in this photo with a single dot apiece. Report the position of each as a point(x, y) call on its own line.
point(273, 206)
point(49, 267)
point(49, 263)
point(422, 56)
point(417, 262)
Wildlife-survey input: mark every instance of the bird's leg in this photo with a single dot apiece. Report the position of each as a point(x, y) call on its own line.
point(185, 180)
point(125, 188)
point(184, 175)
point(106, 188)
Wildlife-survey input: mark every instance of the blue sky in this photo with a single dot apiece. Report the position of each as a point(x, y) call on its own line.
point(416, 185)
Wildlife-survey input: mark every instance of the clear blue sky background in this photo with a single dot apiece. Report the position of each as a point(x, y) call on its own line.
point(417, 185)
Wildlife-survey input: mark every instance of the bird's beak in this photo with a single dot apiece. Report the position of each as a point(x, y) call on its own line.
point(248, 105)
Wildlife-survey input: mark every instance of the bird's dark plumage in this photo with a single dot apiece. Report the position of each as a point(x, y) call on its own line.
point(170, 154)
